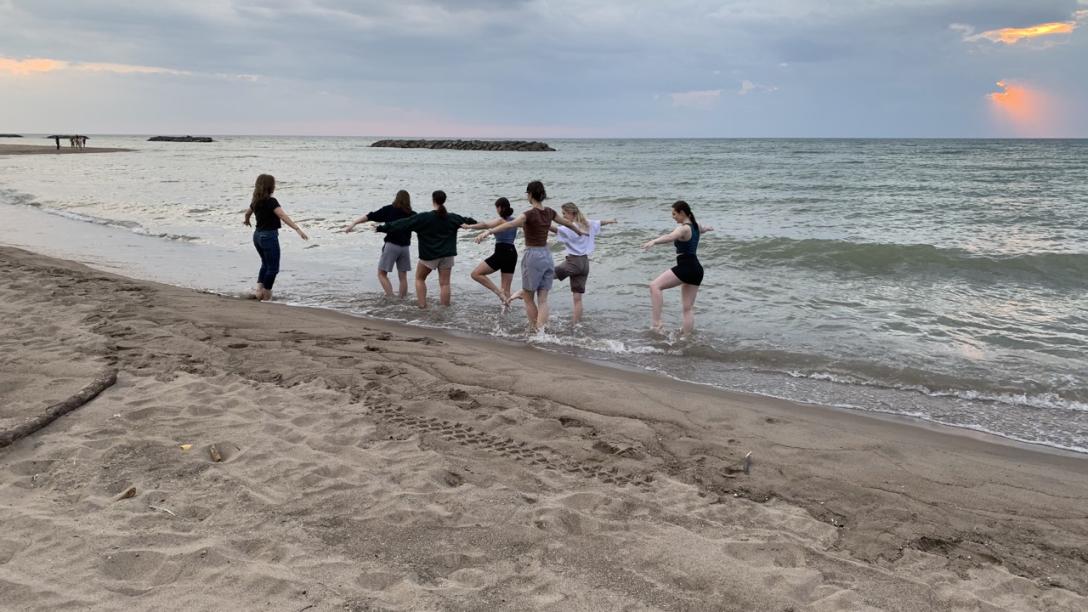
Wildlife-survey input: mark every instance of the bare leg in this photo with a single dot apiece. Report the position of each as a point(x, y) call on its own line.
point(444, 291)
point(402, 277)
point(542, 308)
point(421, 285)
point(507, 280)
point(383, 279)
point(667, 280)
point(577, 315)
point(480, 276)
point(530, 310)
point(687, 295)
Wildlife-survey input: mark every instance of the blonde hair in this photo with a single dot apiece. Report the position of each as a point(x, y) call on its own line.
point(579, 219)
point(263, 188)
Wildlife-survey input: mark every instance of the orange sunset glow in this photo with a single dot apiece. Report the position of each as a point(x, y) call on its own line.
point(1011, 36)
point(1023, 109)
point(29, 66)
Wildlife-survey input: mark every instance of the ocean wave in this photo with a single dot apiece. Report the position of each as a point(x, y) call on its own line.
point(890, 258)
point(15, 198)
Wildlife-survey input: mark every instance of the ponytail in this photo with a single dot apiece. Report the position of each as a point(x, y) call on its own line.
point(439, 198)
point(682, 207)
point(505, 210)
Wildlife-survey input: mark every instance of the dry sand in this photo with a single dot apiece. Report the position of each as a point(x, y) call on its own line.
point(373, 466)
point(27, 149)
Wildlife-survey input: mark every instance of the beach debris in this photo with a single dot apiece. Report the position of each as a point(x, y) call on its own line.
point(185, 447)
point(102, 382)
point(126, 494)
point(215, 454)
point(161, 509)
point(748, 463)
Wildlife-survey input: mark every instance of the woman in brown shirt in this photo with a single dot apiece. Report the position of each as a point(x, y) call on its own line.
point(537, 267)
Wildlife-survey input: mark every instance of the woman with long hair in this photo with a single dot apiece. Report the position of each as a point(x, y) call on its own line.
point(537, 267)
point(578, 249)
point(266, 236)
point(396, 248)
point(686, 274)
point(505, 257)
point(437, 233)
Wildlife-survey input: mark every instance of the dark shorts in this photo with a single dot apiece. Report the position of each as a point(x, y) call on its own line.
point(504, 259)
point(577, 268)
point(688, 269)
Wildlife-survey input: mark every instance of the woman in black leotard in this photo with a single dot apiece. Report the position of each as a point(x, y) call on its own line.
point(687, 273)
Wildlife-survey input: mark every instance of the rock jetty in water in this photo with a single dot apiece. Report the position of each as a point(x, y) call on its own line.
point(466, 145)
point(180, 139)
point(11, 135)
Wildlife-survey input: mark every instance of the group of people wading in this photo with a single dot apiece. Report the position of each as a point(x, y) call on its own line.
point(436, 233)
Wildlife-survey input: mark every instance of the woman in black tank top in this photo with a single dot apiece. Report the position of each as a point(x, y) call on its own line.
point(686, 274)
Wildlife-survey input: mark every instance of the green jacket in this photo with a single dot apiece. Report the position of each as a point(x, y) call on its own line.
point(437, 235)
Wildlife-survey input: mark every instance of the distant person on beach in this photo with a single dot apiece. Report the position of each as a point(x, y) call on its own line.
point(687, 273)
point(537, 267)
point(436, 231)
point(578, 249)
point(57, 140)
point(397, 247)
point(505, 257)
point(266, 236)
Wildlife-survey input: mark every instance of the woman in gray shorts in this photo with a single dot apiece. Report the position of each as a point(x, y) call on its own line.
point(436, 231)
point(396, 249)
point(578, 250)
point(537, 267)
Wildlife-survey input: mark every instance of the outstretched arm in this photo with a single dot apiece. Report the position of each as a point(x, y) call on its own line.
point(497, 221)
point(405, 224)
point(286, 219)
point(249, 213)
point(362, 219)
point(682, 232)
point(568, 224)
point(553, 228)
point(608, 221)
point(520, 221)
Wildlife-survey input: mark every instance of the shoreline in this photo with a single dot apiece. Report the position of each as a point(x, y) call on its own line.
point(454, 471)
point(28, 149)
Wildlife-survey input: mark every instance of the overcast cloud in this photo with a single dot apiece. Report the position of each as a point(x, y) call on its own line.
point(546, 68)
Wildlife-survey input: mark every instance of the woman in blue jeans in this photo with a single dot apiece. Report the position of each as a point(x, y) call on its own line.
point(266, 237)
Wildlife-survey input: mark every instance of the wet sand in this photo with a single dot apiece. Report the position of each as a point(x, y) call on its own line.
point(367, 465)
point(28, 149)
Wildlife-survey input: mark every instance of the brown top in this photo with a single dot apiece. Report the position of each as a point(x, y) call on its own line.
point(537, 222)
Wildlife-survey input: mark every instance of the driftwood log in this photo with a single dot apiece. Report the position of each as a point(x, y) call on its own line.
point(54, 412)
point(466, 145)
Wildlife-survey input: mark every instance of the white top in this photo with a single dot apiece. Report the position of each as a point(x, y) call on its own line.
point(579, 245)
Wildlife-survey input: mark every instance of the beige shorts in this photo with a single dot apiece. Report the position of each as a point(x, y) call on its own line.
point(442, 263)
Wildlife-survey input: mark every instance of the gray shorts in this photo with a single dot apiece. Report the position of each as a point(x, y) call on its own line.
point(537, 269)
point(577, 268)
point(395, 254)
point(442, 263)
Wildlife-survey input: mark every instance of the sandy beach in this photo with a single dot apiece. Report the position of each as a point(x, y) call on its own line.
point(29, 149)
point(366, 465)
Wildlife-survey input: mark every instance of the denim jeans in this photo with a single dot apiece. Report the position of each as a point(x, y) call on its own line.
point(268, 247)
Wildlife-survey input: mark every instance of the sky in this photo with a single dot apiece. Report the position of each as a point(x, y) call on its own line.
point(547, 68)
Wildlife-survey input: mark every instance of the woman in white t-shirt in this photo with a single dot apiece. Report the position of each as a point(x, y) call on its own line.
point(578, 250)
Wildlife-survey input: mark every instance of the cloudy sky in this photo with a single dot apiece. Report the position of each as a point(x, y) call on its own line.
point(547, 68)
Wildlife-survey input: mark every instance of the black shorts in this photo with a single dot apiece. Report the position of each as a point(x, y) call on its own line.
point(504, 259)
point(688, 269)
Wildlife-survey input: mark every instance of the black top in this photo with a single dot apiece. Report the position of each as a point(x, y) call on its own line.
point(385, 214)
point(437, 235)
point(689, 246)
point(265, 211)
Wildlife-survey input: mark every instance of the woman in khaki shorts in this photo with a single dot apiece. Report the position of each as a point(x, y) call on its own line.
point(578, 250)
point(436, 231)
point(537, 266)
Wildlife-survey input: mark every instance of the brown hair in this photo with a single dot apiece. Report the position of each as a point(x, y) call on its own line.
point(439, 198)
point(682, 207)
point(403, 201)
point(536, 191)
point(263, 188)
point(503, 205)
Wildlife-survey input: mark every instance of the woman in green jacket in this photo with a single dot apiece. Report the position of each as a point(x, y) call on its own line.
point(436, 231)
